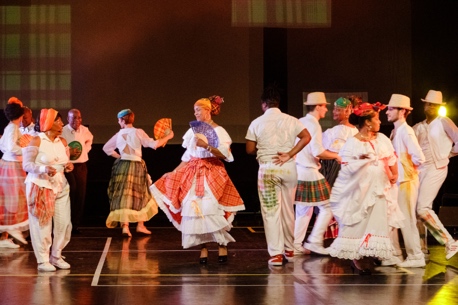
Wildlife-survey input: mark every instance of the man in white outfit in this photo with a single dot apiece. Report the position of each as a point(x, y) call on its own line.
point(312, 188)
point(410, 157)
point(272, 137)
point(438, 138)
point(27, 124)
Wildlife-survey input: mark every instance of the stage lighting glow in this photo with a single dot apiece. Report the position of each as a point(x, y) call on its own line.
point(442, 111)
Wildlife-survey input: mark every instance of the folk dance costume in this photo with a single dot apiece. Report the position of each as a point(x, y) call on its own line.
point(363, 200)
point(80, 143)
point(312, 190)
point(439, 142)
point(200, 198)
point(333, 140)
point(13, 202)
point(48, 198)
point(128, 189)
point(275, 132)
point(410, 156)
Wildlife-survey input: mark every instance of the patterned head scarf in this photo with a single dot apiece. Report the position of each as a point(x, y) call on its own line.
point(124, 112)
point(216, 101)
point(342, 102)
point(47, 117)
point(366, 109)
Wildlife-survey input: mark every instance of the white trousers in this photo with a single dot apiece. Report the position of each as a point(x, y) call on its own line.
point(41, 236)
point(301, 224)
point(407, 199)
point(276, 190)
point(303, 215)
point(431, 180)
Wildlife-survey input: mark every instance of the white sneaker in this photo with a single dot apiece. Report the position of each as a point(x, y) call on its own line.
point(16, 234)
point(316, 248)
point(299, 250)
point(59, 263)
point(412, 263)
point(394, 260)
point(8, 243)
point(451, 249)
point(46, 267)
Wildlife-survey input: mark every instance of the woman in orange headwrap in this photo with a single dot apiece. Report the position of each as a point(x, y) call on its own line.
point(13, 204)
point(46, 159)
point(198, 197)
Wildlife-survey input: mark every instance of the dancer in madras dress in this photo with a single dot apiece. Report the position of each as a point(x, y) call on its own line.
point(364, 195)
point(198, 197)
point(13, 202)
point(128, 189)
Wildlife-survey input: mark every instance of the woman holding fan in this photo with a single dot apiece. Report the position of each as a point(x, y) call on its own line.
point(128, 189)
point(198, 197)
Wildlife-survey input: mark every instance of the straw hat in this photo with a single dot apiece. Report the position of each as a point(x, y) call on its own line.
point(315, 98)
point(400, 101)
point(433, 97)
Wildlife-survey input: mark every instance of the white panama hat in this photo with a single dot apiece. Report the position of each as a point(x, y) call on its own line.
point(433, 97)
point(315, 98)
point(400, 101)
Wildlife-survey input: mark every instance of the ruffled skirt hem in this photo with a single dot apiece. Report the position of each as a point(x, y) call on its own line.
point(221, 237)
point(128, 215)
point(356, 248)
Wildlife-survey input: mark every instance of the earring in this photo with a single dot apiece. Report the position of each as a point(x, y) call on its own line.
point(370, 127)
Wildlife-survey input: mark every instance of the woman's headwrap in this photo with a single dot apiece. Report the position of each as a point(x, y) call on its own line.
point(15, 100)
point(124, 112)
point(204, 103)
point(47, 117)
point(216, 101)
point(365, 109)
point(342, 102)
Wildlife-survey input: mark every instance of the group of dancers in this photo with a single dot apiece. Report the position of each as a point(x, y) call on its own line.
point(364, 184)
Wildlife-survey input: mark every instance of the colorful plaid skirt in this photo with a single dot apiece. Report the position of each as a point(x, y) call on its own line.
point(129, 194)
point(312, 192)
point(13, 201)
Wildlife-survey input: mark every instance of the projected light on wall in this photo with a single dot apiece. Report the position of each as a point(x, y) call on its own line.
point(35, 56)
point(282, 13)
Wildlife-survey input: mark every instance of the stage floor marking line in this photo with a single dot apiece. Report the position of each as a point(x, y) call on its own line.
point(98, 271)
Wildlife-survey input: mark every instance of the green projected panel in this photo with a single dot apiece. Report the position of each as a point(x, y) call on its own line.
point(35, 55)
point(282, 13)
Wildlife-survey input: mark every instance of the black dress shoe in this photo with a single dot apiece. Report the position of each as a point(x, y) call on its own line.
point(222, 259)
point(76, 231)
point(203, 260)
